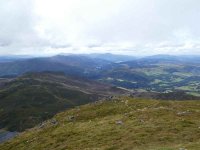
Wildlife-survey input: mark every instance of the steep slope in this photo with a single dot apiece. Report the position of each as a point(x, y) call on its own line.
point(34, 97)
point(123, 123)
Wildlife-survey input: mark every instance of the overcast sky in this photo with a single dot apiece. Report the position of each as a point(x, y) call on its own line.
point(135, 27)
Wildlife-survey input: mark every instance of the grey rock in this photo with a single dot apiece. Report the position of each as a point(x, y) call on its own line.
point(71, 118)
point(182, 149)
point(54, 122)
point(183, 113)
point(119, 122)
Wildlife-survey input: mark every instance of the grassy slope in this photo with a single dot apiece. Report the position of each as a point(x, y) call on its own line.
point(146, 124)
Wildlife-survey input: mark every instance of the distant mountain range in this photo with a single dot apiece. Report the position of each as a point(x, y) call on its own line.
point(172, 58)
point(11, 58)
point(159, 73)
point(74, 64)
point(112, 57)
point(68, 64)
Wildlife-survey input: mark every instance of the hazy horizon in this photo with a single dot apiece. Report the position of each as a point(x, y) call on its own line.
point(69, 54)
point(128, 27)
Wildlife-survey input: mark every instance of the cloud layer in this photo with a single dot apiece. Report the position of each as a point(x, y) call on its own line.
point(139, 27)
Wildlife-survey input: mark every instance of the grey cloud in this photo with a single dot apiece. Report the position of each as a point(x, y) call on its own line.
point(119, 26)
point(170, 45)
point(16, 20)
point(17, 27)
point(94, 45)
point(4, 43)
point(56, 46)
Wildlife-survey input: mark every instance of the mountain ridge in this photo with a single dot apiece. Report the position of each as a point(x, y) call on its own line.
point(34, 97)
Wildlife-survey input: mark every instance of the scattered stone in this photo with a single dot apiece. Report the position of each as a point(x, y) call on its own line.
point(183, 113)
point(182, 149)
point(126, 102)
point(125, 114)
point(71, 118)
point(141, 120)
point(54, 122)
point(110, 98)
point(41, 125)
point(143, 109)
point(119, 122)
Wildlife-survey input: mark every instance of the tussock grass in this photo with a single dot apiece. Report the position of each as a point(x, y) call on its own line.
point(144, 124)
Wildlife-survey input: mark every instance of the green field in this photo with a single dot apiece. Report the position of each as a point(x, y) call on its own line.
point(156, 77)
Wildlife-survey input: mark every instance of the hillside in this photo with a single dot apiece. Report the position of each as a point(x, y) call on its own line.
point(29, 99)
point(161, 74)
point(72, 65)
point(122, 123)
point(112, 57)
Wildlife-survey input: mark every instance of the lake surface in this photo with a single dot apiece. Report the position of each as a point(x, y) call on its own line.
point(6, 135)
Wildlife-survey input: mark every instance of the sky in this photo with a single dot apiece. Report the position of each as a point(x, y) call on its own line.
point(130, 27)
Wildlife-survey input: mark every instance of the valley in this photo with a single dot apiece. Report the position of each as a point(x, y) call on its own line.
point(116, 104)
point(99, 75)
point(34, 97)
point(160, 73)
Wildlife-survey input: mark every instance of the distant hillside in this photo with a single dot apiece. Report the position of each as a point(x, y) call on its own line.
point(72, 65)
point(11, 58)
point(176, 95)
point(162, 74)
point(112, 57)
point(29, 99)
point(122, 124)
point(172, 59)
